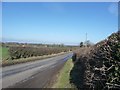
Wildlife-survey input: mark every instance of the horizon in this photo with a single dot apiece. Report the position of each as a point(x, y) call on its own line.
point(58, 23)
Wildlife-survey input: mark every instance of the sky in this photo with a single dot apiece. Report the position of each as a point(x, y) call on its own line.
point(60, 22)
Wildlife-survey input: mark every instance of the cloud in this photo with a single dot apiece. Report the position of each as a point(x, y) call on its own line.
point(113, 9)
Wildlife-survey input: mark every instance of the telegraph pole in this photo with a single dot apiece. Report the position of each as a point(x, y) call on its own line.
point(86, 39)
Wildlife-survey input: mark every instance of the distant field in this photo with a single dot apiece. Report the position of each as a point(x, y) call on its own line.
point(4, 52)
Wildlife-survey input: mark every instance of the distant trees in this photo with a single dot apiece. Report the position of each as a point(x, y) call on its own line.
point(87, 43)
point(81, 44)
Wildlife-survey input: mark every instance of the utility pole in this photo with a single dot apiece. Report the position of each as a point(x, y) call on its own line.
point(86, 39)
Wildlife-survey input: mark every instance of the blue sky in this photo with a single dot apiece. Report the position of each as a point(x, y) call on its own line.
point(58, 22)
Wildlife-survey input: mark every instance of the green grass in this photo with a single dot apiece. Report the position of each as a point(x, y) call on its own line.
point(4, 53)
point(64, 75)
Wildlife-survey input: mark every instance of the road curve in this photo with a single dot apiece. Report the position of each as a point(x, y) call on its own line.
point(35, 74)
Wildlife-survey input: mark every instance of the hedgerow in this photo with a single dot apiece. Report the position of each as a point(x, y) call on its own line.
point(17, 52)
point(101, 65)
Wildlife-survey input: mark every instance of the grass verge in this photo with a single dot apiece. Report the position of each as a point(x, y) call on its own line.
point(64, 75)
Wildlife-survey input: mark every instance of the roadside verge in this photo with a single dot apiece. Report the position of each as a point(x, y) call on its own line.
point(64, 76)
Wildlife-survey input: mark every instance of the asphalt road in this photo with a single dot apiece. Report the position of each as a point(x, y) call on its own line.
point(35, 74)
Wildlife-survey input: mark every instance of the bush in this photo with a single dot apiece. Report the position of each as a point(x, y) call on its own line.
point(74, 57)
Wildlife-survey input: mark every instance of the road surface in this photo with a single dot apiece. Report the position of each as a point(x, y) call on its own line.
point(35, 74)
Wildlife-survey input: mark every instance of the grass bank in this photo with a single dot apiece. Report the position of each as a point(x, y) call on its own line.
point(64, 76)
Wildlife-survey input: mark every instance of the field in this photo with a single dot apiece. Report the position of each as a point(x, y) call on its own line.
point(4, 53)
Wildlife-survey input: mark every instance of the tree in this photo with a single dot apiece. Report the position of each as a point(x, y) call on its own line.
point(81, 44)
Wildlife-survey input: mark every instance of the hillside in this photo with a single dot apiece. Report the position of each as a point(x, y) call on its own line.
point(98, 66)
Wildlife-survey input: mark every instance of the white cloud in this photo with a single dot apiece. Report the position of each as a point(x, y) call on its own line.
point(113, 9)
